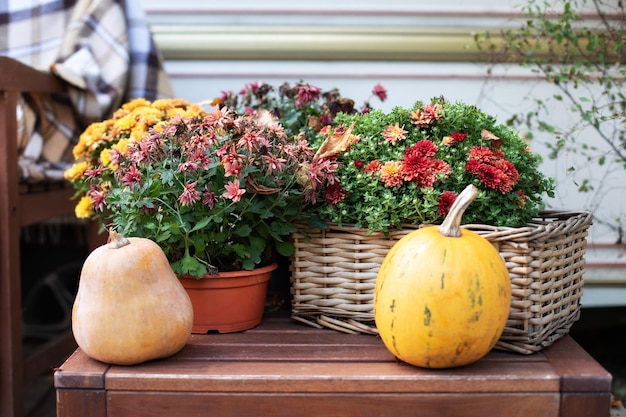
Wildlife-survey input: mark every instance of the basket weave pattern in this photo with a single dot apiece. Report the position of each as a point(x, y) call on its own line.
point(334, 274)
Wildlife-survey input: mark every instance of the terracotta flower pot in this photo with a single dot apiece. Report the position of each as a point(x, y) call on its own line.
point(230, 302)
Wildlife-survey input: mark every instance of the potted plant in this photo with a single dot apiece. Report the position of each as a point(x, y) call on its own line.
point(398, 170)
point(218, 191)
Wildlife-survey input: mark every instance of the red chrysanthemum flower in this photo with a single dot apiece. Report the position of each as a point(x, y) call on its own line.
point(473, 166)
point(445, 201)
point(373, 167)
point(335, 193)
point(454, 138)
point(422, 149)
point(509, 175)
point(485, 154)
point(425, 172)
point(419, 165)
point(492, 169)
point(490, 176)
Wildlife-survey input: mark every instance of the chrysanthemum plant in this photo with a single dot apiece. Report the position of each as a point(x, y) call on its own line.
point(302, 108)
point(216, 190)
point(407, 167)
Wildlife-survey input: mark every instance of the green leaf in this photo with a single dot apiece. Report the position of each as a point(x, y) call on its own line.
point(201, 224)
point(257, 245)
point(281, 229)
point(243, 230)
point(188, 265)
point(285, 248)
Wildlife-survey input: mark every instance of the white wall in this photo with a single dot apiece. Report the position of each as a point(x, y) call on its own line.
point(418, 51)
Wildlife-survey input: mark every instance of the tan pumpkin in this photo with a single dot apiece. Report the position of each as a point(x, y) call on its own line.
point(130, 306)
point(442, 294)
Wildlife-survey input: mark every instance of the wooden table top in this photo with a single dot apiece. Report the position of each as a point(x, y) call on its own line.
point(285, 368)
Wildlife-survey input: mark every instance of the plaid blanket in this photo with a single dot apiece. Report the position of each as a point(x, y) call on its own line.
point(102, 49)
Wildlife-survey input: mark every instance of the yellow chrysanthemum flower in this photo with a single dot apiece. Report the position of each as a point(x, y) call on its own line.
point(193, 110)
point(76, 171)
point(84, 209)
point(90, 135)
point(122, 145)
point(138, 132)
point(79, 150)
point(159, 126)
point(166, 104)
point(105, 157)
point(133, 104)
point(126, 123)
point(148, 116)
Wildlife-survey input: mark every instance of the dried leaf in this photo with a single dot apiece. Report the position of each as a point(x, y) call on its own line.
point(336, 143)
point(255, 187)
point(496, 142)
point(315, 123)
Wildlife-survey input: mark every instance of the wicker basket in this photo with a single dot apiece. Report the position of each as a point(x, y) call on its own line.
point(333, 275)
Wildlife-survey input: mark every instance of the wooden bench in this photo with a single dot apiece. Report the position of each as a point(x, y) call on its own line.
point(20, 206)
point(286, 369)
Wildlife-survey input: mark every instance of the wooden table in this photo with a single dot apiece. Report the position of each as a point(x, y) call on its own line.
point(286, 369)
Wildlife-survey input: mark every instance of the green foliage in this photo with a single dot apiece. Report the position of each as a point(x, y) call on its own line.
point(372, 203)
point(579, 47)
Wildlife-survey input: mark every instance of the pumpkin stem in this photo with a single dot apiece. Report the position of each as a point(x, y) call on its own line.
point(451, 225)
point(117, 240)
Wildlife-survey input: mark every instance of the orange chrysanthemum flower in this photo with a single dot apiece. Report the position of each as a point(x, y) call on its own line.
point(391, 174)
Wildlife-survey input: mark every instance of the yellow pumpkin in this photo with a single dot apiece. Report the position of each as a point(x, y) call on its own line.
point(130, 306)
point(442, 294)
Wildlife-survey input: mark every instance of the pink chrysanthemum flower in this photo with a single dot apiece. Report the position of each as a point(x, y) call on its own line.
point(189, 195)
point(131, 176)
point(97, 197)
point(209, 198)
point(425, 116)
point(380, 91)
point(306, 94)
point(233, 192)
point(394, 133)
